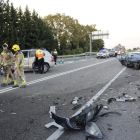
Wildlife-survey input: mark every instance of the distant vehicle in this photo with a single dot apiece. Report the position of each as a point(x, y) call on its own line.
point(103, 54)
point(29, 58)
point(112, 53)
point(119, 49)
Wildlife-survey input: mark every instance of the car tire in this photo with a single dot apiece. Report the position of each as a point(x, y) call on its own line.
point(46, 68)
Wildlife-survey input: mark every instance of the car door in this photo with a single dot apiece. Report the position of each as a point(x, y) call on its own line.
point(31, 59)
point(26, 57)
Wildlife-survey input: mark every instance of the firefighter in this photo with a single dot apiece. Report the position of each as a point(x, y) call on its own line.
point(8, 59)
point(40, 63)
point(55, 56)
point(116, 53)
point(19, 67)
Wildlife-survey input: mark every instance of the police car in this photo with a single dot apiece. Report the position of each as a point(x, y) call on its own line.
point(103, 54)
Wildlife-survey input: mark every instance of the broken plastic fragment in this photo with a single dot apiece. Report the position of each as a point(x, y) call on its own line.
point(127, 96)
point(53, 124)
point(13, 113)
point(105, 107)
point(92, 130)
point(52, 109)
point(74, 102)
point(110, 100)
point(76, 106)
point(120, 100)
point(1, 111)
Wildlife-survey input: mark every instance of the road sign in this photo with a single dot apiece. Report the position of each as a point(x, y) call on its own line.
point(98, 35)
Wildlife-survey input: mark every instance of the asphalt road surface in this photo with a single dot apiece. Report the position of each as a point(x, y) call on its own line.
point(25, 112)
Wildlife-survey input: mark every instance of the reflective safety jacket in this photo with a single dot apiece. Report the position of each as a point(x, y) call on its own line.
point(19, 59)
point(7, 58)
point(55, 53)
point(39, 54)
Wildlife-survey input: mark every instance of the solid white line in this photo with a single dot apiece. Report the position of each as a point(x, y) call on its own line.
point(59, 132)
point(53, 76)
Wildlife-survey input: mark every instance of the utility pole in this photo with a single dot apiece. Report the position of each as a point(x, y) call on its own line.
point(90, 44)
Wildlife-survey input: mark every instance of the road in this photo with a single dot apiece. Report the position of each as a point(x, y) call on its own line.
point(25, 112)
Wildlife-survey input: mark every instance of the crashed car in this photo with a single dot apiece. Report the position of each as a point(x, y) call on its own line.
point(132, 60)
point(121, 58)
point(103, 54)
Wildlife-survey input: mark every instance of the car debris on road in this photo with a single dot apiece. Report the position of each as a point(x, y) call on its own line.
point(84, 120)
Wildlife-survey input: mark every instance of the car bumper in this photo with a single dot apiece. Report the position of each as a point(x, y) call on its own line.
point(101, 56)
point(51, 64)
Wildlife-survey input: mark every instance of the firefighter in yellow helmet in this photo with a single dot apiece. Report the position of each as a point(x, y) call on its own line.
point(7, 58)
point(19, 67)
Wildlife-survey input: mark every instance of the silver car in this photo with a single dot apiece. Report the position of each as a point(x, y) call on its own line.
point(29, 58)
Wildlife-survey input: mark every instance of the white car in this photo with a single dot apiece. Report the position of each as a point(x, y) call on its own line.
point(29, 58)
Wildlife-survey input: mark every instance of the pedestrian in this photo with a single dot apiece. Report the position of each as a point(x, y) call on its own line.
point(55, 54)
point(40, 63)
point(19, 67)
point(7, 58)
point(35, 64)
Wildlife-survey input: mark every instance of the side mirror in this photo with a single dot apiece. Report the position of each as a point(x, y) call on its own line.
point(92, 130)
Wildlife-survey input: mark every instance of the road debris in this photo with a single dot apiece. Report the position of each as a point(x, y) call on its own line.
point(105, 107)
point(76, 107)
point(64, 104)
point(75, 100)
point(1, 111)
point(52, 109)
point(55, 103)
point(119, 99)
point(13, 113)
point(85, 119)
point(110, 128)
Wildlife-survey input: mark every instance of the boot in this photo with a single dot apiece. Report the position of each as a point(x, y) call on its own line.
point(3, 84)
point(22, 86)
point(11, 83)
point(14, 86)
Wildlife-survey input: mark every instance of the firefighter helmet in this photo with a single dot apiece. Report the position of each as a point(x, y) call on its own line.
point(4, 45)
point(16, 47)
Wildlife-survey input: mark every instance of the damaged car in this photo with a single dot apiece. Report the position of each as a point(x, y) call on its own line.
point(133, 60)
point(121, 58)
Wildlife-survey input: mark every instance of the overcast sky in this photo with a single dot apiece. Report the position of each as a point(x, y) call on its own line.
point(120, 17)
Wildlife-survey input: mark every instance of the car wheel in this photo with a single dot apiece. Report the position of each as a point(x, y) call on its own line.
point(46, 68)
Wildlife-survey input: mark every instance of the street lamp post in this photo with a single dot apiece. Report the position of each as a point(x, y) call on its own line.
point(90, 44)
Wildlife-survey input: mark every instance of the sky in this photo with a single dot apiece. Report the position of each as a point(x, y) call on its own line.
point(120, 17)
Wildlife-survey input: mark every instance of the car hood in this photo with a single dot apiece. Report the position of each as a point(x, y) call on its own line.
point(134, 58)
point(101, 53)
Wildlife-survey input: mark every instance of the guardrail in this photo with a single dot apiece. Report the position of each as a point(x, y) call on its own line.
point(75, 55)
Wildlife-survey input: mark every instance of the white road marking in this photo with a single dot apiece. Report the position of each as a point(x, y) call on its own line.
point(59, 132)
point(53, 76)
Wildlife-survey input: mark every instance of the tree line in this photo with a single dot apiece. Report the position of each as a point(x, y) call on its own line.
point(58, 31)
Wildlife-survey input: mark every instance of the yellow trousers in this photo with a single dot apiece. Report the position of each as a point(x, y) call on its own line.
point(7, 74)
point(19, 73)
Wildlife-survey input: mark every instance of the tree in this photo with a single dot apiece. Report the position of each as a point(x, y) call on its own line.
point(69, 33)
